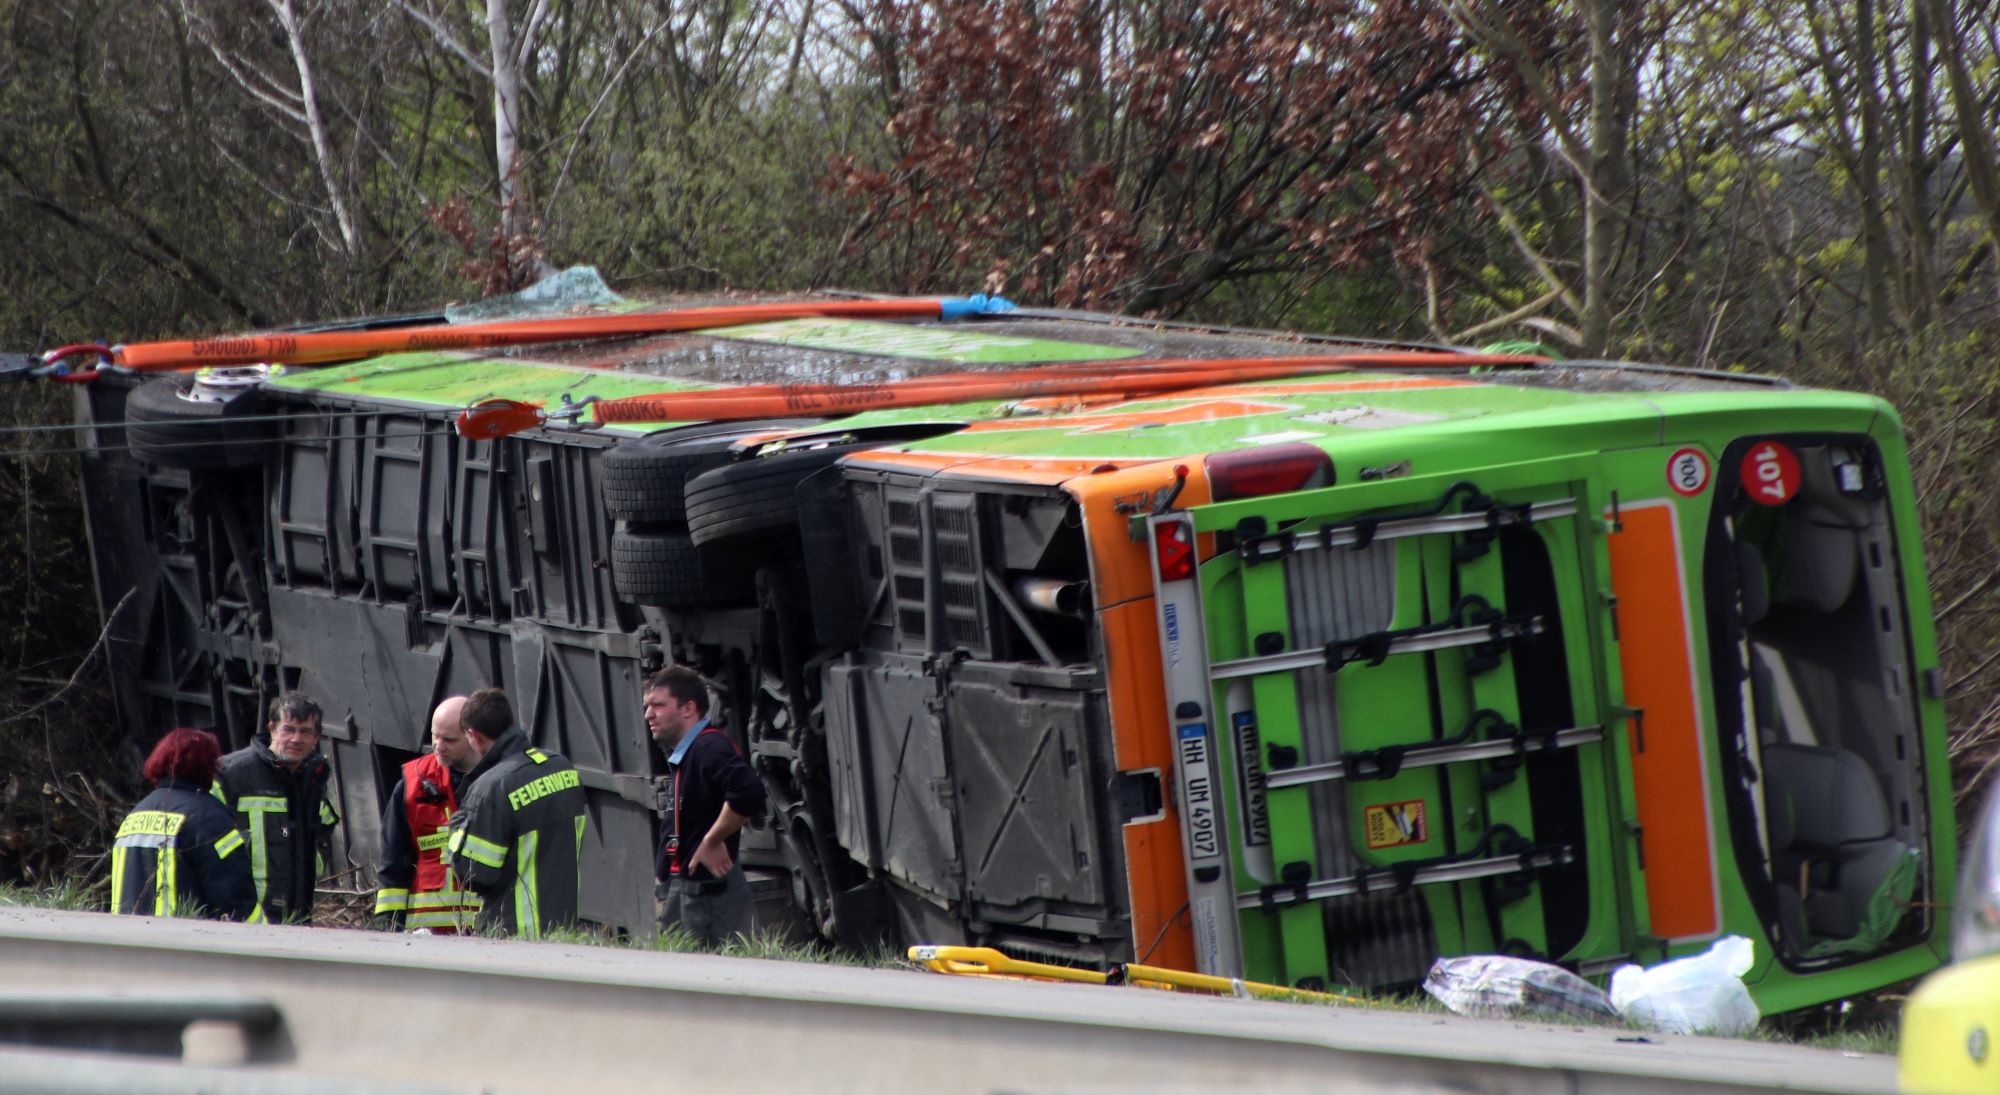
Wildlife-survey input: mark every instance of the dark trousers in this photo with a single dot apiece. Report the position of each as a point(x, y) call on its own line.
point(712, 910)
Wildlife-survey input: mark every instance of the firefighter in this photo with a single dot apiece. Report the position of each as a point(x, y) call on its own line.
point(418, 889)
point(178, 853)
point(518, 843)
point(277, 788)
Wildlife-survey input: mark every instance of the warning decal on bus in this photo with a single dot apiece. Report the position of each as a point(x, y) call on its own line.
point(1393, 823)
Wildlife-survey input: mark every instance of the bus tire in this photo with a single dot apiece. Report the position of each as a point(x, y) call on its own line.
point(164, 427)
point(668, 570)
point(645, 480)
point(755, 498)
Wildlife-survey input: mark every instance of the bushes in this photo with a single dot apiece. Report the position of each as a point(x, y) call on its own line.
point(65, 775)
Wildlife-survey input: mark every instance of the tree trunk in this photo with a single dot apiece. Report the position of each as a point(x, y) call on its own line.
point(1604, 182)
point(506, 121)
point(336, 190)
point(1876, 279)
point(1976, 139)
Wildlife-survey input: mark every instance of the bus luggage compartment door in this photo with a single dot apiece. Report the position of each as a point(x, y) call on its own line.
point(1407, 688)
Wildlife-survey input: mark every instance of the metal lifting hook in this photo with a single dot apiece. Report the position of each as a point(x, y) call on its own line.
point(57, 362)
point(498, 418)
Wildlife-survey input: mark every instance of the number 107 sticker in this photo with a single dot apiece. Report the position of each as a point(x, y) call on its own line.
point(1770, 473)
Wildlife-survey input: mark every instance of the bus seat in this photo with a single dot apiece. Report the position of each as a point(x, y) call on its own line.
point(1818, 565)
point(1831, 843)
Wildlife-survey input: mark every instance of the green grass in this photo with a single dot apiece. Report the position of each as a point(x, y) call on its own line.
point(65, 894)
point(771, 946)
point(1879, 1036)
point(1865, 1024)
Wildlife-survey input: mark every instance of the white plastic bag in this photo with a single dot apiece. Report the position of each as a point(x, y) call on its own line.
point(1494, 986)
point(1702, 993)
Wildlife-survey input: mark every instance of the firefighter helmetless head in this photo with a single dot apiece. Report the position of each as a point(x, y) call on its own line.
point(486, 716)
point(448, 737)
point(294, 728)
point(184, 755)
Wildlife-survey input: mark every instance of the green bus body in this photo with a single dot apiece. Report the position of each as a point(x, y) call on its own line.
point(1584, 661)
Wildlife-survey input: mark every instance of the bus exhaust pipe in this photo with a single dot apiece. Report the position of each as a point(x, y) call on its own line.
point(1052, 595)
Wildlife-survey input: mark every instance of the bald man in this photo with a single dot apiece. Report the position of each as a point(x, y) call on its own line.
point(417, 888)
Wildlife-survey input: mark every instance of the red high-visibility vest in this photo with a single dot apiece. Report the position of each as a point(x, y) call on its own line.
point(436, 901)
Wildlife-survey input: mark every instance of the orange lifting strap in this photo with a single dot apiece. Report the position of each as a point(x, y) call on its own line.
point(324, 347)
point(1128, 378)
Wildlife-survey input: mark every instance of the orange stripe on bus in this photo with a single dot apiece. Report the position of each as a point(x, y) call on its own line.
point(1157, 876)
point(1670, 774)
point(1136, 694)
point(1206, 410)
point(1155, 868)
point(1012, 469)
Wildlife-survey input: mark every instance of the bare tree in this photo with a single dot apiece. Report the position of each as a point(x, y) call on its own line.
point(292, 99)
point(1590, 140)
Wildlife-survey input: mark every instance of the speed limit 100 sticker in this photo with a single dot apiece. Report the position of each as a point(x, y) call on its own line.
point(1770, 473)
point(1687, 472)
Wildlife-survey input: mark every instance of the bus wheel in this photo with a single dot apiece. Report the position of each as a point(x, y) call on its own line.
point(645, 480)
point(175, 423)
point(759, 496)
point(668, 570)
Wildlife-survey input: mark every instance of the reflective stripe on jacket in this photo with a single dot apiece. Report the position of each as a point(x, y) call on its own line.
point(518, 843)
point(433, 898)
point(178, 854)
point(288, 821)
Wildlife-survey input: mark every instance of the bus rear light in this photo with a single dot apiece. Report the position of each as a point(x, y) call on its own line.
point(1173, 545)
point(1268, 469)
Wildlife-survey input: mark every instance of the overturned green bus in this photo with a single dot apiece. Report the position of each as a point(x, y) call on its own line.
point(1307, 676)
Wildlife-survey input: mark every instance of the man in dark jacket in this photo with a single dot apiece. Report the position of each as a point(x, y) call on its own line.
point(277, 788)
point(178, 852)
point(518, 843)
point(700, 884)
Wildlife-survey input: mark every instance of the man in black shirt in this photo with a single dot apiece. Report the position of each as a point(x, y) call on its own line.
point(700, 884)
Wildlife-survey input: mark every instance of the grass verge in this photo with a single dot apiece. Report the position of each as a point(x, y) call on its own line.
point(62, 895)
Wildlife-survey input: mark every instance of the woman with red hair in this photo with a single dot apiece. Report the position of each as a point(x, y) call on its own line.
point(178, 853)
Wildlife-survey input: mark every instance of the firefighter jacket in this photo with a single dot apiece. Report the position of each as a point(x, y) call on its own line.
point(288, 821)
point(418, 888)
point(179, 854)
point(518, 843)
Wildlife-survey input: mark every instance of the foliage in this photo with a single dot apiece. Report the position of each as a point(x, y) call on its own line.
point(65, 776)
point(1139, 155)
point(1949, 396)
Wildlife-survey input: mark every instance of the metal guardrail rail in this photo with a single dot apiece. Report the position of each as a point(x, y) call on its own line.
point(392, 1012)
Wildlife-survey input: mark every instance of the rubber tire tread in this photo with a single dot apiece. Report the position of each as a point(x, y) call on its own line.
point(649, 487)
point(668, 570)
point(164, 429)
point(645, 480)
point(750, 497)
